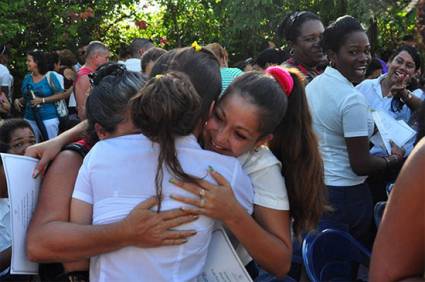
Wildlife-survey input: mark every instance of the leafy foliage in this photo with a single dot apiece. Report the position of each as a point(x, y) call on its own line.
point(244, 27)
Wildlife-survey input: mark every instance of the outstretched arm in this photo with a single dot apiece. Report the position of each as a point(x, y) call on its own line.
point(52, 238)
point(399, 249)
point(48, 150)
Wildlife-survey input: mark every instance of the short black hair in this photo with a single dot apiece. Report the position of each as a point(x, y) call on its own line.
point(52, 59)
point(6, 130)
point(151, 56)
point(374, 64)
point(40, 59)
point(413, 52)
point(274, 56)
point(290, 27)
point(139, 43)
point(337, 32)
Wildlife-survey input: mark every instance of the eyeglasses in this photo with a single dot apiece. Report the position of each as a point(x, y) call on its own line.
point(106, 70)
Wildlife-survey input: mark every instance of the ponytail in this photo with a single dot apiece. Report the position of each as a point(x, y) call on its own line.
point(284, 112)
point(166, 108)
point(295, 145)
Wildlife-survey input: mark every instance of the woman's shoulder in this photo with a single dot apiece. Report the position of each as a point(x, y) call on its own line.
point(368, 83)
point(27, 78)
point(258, 159)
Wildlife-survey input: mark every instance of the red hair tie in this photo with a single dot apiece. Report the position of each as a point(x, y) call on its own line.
point(283, 77)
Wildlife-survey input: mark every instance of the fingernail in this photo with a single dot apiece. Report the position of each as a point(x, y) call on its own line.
point(195, 217)
point(193, 233)
point(35, 173)
point(210, 169)
point(172, 181)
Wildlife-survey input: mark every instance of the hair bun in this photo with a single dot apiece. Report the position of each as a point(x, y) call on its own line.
point(283, 77)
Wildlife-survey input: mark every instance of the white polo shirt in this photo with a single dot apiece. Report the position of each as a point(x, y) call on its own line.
point(119, 173)
point(6, 79)
point(133, 64)
point(339, 111)
point(372, 91)
point(265, 172)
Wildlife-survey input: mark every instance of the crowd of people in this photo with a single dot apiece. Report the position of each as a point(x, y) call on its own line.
point(142, 158)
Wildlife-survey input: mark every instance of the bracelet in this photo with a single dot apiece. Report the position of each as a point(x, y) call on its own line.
point(407, 97)
point(391, 160)
point(43, 100)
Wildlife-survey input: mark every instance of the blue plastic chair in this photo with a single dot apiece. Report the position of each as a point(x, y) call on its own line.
point(378, 212)
point(333, 255)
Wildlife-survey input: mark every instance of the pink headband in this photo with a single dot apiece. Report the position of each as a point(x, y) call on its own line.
point(283, 77)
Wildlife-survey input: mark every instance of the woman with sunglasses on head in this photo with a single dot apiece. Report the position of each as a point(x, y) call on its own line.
point(167, 110)
point(342, 122)
point(302, 31)
point(52, 238)
point(273, 252)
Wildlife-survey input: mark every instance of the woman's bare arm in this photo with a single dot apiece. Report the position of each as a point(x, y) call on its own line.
point(267, 238)
point(52, 238)
point(399, 249)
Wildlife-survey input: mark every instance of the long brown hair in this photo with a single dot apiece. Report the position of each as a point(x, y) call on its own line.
point(167, 107)
point(296, 146)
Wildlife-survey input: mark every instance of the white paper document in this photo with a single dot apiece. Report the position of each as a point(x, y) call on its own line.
point(23, 195)
point(223, 264)
point(390, 129)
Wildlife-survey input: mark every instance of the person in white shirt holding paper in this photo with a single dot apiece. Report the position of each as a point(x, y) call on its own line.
point(388, 94)
point(15, 136)
point(340, 119)
point(168, 112)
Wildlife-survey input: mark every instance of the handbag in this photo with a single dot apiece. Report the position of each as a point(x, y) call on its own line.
point(60, 105)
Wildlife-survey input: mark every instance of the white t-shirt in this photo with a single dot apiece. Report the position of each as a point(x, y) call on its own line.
point(339, 111)
point(6, 79)
point(119, 173)
point(372, 91)
point(59, 77)
point(133, 64)
point(265, 172)
point(5, 239)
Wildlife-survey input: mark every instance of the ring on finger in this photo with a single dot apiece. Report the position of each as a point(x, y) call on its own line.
point(202, 193)
point(202, 202)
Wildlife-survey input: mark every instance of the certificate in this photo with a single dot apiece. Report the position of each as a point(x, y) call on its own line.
point(390, 129)
point(223, 264)
point(23, 195)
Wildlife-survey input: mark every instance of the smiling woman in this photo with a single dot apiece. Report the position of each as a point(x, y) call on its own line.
point(388, 93)
point(303, 31)
point(342, 123)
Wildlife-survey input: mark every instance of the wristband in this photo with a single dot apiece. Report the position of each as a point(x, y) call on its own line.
point(407, 97)
point(43, 100)
point(391, 160)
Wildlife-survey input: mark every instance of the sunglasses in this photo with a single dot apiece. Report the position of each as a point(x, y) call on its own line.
point(105, 70)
